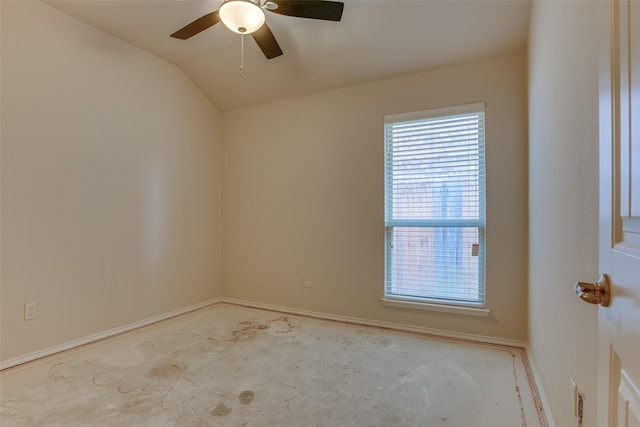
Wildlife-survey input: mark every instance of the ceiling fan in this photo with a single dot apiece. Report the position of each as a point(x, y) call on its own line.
point(248, 17)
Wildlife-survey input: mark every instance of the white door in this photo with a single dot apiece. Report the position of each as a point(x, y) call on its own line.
point(619, 324)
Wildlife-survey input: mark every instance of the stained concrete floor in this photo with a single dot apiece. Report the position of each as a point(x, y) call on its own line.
point(234, 366)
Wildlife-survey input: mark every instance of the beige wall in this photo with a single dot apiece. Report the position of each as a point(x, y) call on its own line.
point(111, 194)
point(111, 190)
point(303, 195)
point(110, 182)
point(563, 213)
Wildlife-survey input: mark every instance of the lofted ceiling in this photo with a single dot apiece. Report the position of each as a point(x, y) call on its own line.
point(376, 39)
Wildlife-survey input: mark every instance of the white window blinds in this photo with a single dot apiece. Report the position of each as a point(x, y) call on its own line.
point(435, 205)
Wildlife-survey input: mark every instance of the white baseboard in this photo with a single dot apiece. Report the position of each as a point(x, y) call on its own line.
point(380, 324)
point(548, 418)
point(102, 335)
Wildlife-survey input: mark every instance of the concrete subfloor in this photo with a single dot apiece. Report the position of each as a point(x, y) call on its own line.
point(228, 365)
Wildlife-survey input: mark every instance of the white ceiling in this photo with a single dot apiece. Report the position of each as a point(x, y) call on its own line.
point(376, 39)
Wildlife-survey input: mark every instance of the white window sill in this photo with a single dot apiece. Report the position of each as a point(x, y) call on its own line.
point(456, 309)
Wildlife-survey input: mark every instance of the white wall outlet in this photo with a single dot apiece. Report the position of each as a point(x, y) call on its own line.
point(30, 311)
point(573, 397)
point(307, 281)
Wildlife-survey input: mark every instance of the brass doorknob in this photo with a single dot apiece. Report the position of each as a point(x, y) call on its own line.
point(595, 293)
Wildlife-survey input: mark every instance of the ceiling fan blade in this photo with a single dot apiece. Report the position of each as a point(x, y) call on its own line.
point(267, 42)
point(314, 9)
point(197, 26)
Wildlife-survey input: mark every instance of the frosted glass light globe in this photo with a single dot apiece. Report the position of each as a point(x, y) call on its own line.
point(241, 16)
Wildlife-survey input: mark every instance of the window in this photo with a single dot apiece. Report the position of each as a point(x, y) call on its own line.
point(435, 206)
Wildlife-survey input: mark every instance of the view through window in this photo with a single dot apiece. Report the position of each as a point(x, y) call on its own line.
point(435, 205)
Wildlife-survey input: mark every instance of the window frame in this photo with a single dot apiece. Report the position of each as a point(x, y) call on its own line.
point(416, 301)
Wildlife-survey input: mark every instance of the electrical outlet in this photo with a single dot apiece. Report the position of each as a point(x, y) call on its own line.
point(307, 281)
point(573, 397)
point(30, 311)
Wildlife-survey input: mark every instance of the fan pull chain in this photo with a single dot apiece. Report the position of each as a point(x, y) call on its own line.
point(241, 73)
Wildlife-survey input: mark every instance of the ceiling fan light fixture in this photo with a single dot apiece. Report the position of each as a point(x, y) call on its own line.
point(242, 16)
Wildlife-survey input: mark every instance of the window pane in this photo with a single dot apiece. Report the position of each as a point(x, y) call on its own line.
point(434, 262)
